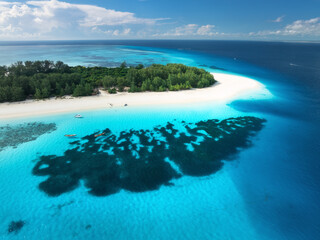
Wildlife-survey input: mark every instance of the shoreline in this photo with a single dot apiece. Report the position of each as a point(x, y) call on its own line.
point(228, 87)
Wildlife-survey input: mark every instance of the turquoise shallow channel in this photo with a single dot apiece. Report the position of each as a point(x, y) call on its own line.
point(235, 170)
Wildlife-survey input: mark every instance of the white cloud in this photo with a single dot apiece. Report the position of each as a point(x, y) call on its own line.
point(52, 18)
point(190, 30)
point(116, 32)
point(303, 27)
point(126, 31)
point(206, 30)
point(97, 16)
point(299, 28)
point(278, 19)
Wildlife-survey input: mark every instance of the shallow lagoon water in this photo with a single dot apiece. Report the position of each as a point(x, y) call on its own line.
point(124, 214)
point(268, 191)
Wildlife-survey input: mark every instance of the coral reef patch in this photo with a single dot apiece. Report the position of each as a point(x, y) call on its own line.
point(144, 160)
point(14, 135)
point(15, 226)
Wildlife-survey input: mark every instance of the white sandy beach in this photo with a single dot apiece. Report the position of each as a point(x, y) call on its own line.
point(227, 88)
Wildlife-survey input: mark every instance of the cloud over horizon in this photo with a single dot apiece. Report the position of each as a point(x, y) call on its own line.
point(190, 30)
point(50, 18)
point(60, 20)
point(298, 28)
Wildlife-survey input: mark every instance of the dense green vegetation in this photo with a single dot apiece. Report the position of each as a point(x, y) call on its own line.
point(43, 79)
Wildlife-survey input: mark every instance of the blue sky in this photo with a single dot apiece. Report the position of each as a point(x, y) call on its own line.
point(160, 19)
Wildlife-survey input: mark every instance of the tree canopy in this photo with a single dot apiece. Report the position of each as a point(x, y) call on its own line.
point(44, 79)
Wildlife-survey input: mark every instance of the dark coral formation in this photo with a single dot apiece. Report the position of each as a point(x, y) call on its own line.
point(13, 135)
point(15, 226)
point(143, 160)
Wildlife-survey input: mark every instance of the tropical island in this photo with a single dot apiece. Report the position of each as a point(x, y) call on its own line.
point(45, 79)
point(61, 87)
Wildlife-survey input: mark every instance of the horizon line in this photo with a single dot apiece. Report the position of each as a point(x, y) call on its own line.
point(217, 40)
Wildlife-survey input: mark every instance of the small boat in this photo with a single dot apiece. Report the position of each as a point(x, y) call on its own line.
point(78, 116)
point(98, 135)
point(70, 135)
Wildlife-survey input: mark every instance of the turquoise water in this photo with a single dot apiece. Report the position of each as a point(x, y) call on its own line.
point(211, 199)
point(261, 190)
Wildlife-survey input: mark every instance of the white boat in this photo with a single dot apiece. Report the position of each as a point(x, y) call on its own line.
point(78, 116)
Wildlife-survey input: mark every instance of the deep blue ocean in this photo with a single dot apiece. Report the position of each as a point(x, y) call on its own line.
point(245, 169)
